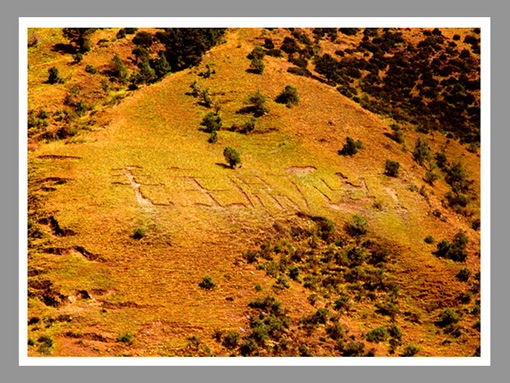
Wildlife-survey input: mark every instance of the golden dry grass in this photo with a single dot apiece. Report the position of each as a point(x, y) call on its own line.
point(148, 165)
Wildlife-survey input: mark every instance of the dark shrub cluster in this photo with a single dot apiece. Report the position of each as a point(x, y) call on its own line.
point(207, 283)
point(446, 80)
point(211, 123)
point(377, 335)
point(350, 147)
point(258, 104)
point(288, 96)
point(232, 156)
point(184, 47)
point(391, 168)
point(357, 225)
point(54, 76)
point(453, 250)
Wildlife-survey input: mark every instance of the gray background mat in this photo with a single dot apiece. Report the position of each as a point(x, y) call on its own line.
point(495, 9)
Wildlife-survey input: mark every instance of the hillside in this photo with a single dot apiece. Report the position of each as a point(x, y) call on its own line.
point(132, 211)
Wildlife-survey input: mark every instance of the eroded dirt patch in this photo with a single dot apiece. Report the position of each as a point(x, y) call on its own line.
point(300, 169)
point(57, 157)
point(55, 228)
point(74, 250)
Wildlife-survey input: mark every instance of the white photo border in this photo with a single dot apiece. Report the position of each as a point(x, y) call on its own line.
point(484, 23)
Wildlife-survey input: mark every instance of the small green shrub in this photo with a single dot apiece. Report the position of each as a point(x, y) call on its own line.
point(464, 274)
point(247, 127)
point(430, 177)
point(232, 156)
point(207, 283)
point(90, 69)
point(268, 304)
point(281, 283)
point(248, 347)
point(391, 168)
point(350, 147)
point(357, 226)
point(143, 38)
point(411, 350)
point(46, 345)
point(312, 298)
point(394, 331)
point(320, 316)
point(441, 160)
point(258, 101)
point(304, 351)
point(429, 239)
point(54, 76)
point(325, 227)
point(353, 348)
point(397, 135)
point(257, 66)
point(118, 70)
point(456, 176)
point(211, 122)
point(294, 272)
point(288, 96)
point(455, 250)
point(421, 152)
point(257, 53)
point(77, 58)
point(121, 33)
point(377, 335)
point(335, 331)
point(139, 232)
point(341, 302)
point(231, 340)
point(125, 338)
point(449, 316)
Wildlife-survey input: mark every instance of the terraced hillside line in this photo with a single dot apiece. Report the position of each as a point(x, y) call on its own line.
point(206, 192)
point(243, 192)
point(140, 198)
point(299, 191)
point(321, 192)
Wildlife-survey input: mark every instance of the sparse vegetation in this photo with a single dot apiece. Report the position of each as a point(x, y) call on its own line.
point(357, 226)
point(453, 250)
point(350, 147)
point(118, 69)
point(207, 283)
point(211, 122)
point(391, 168)
point(464, 274)
point(288, 96)
point(411, 350)
point(258, 101)
point(232, 156)
point(139, 232)
point(449, 316)
point(54, 76)
point(257, 66)
point(231, 340)
point(377, 335)
point(126, 338)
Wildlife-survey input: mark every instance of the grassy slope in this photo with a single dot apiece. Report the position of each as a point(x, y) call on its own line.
point(149, 287)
